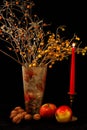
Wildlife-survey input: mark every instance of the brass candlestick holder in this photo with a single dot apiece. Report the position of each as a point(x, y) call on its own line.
point(74, 118)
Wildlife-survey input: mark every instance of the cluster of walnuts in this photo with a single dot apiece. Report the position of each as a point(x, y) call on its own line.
point(18, 114)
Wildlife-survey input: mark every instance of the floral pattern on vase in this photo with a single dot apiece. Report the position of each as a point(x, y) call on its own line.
point(34, 79)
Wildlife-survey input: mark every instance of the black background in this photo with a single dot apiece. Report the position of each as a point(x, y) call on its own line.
point(73, 15)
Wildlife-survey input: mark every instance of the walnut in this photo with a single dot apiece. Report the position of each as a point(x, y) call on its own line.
point(28, 117)
point(18, 114)
point(36, 116)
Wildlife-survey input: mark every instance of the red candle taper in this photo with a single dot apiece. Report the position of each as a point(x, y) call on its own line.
point(72, 79)
point(72, 71)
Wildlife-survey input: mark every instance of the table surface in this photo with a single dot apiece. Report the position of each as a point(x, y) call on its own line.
point(44, 124)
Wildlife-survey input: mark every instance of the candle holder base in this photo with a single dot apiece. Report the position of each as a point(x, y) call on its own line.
point(74, 118)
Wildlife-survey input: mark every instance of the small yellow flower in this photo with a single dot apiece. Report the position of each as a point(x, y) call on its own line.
point(77, 38)
point(34, 64)
point(39, 56)
point(50, 66)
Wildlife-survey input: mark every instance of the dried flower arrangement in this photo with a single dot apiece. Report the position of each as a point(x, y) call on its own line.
point(25, 39)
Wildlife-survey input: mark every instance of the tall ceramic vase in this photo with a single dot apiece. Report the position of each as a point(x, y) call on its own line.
point(34, 79)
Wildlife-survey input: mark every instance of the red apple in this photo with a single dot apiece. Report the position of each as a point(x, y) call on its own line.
point(63, 113)
point(47, 110)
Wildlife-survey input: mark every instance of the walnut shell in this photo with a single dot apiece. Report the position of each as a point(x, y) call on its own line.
point(36, 116)
point(28, 117)
point(13, 113)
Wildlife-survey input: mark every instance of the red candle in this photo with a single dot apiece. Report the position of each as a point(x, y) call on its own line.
point(72, 72)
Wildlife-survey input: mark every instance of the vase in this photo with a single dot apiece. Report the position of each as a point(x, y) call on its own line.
point(34, 80)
